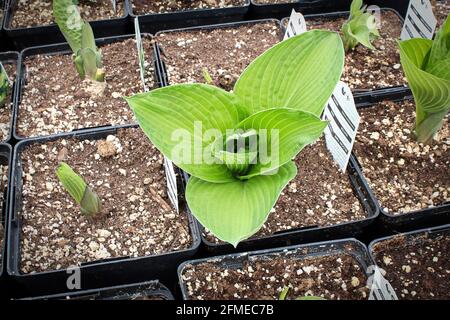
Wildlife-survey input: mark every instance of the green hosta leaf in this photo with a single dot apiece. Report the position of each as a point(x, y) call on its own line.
point(427, 68)
point(283, 294)
point(4, 84)
point(355, 8)
point(78, 189)
point(87, 37)
point(69, 22)
point(298, 73)
point(168, 117)
point(310, 298)
point(288, 131)
point(235, 211)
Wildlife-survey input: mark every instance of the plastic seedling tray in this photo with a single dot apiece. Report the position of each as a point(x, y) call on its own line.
point(60, 49)
point(96, 274)
point(153, 23)
point(413, 220)
point(5, 159)
point(136, 291)
point(48, 34)
point(12, 57)
point(351, 247)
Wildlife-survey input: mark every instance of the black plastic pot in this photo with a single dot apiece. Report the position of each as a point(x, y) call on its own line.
point(351, 247)
point(153, 23)
point(96, 274)
point(61, 49)
point(318, 6)
point(409, 221)
point(5, 159)
point(345, 14)
point(13, 57)
point(150, 289)
point(41, 35)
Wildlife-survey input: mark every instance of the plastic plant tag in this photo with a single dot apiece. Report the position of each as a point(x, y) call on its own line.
point(5, 83)
point(114, 5)
point(340, 134)
point(296, 25)
point(380, 288)
point(141, 54)
point(171, 179)
point(420, 21)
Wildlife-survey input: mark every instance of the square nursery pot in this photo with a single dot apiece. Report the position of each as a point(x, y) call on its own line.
point(73, 108)
point(5, 165)
point(154, 22)
point(377, 117)
point(10, 61)
point(38, 35)
point(165, 247)
point(339, 266)
point(416, 263)
point(171, 53)
point(367, 70)
point(150, 290)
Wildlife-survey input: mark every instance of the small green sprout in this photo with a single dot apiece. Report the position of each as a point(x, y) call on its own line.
point(207, 76)
point(283, 295)
point(83, 195)
point(4, 85)
point(361, 27)
point(427, 67)
point(80, 37)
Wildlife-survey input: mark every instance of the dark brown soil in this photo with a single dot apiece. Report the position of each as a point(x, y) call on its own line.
point(133, 222)
point(417, 269)
point(6, 109)
point(320, 195)
point(364, 68)
point(31, 13)
point(145, 7)
point(223, 52)
point(55, 100)
point(404, 174)
point(441, 9)
point(334, 277)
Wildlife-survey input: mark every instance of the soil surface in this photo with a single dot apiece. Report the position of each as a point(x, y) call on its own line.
point(224, 53)
point(52, 104)
point(320, 195)
point(6, 109)
point(145, 7)
point(334, 277)
point(3, 184)
point(404, 174)
point(31, 13)
point(417, 269)
point(364, 68)
point(441, 9)
point(128, 175)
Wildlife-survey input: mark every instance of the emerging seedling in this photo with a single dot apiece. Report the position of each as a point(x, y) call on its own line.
point(238, 147)
point(89, 202)
point(80, 37)
point(427, 67)
point(283, 295)
point(207, 76)
point(361, 27)
point(4, 85)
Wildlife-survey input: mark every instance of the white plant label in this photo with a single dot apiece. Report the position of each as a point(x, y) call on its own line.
point(141, 53)
point(340, 134)
point(114, 5)
point(171, 180)
point(296, 25)
point(420, 21)
point(380, 288)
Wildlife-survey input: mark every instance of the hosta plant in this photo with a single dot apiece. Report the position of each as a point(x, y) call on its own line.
point(427, 67)
point(361, 27)
point(80, 37)
point(238, 147)
point(4, 85)
point(90, 204)
point(285, 291)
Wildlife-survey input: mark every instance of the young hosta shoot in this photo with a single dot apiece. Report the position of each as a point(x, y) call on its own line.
point(427, 67)
point(88, 200)
point(80, 37)
point(4, 85)
point(238, 147)
point(283, 295)
point(361, 27)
